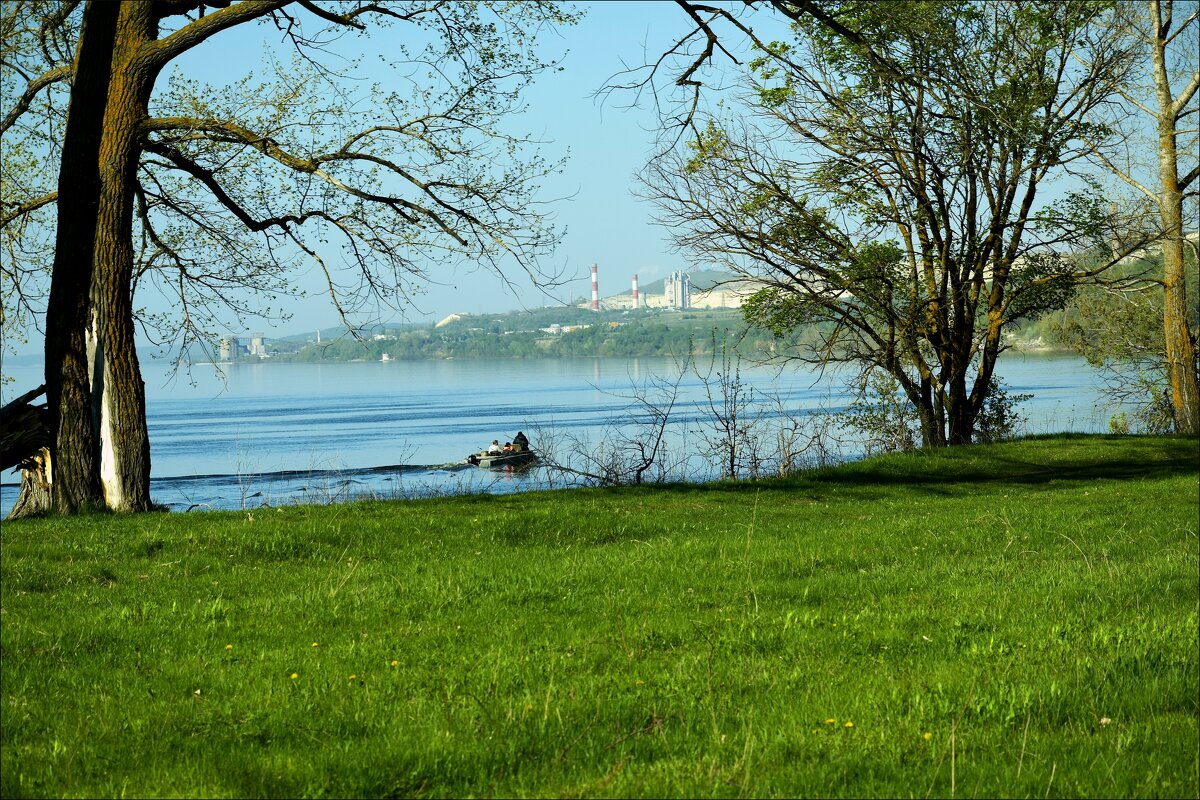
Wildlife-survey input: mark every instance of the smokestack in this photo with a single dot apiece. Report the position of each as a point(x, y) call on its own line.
point(595, 291)
point(635, 297)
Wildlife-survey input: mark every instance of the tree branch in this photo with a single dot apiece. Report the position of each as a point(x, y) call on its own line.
point(161, 52)
point(26, 207)
point(55, 75)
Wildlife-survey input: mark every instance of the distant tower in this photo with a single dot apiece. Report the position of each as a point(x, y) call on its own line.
point(595, 290)
point(258, 344)
point(677, 291)
point(229, 348)
point(635, 294)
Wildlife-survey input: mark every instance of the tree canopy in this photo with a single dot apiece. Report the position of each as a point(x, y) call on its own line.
point(208, 191)
point(893, 185)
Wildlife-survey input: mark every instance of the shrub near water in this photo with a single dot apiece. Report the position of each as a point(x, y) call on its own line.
point(1015, 619)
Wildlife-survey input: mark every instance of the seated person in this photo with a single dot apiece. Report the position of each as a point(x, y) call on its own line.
point(508, 448)
point(494, 447)
point(520, 443)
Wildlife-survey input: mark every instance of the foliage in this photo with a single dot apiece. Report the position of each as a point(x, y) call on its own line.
point(1118, 328)
point(882, 416)
point(999, 419)
point(880, 176)
point(511, 336)
point(307, 162)
point(1156, 159)
point(210, 191)
point(991, 620)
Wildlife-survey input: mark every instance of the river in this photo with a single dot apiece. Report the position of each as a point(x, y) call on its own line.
point(248, 434)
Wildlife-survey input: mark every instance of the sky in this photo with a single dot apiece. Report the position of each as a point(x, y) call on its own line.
point(606, 143)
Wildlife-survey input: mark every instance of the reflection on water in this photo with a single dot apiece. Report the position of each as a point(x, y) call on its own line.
point(275, 433)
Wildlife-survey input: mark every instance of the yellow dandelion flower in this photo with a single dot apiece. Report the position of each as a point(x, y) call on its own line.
point(295, 675)
point(830, 721)
point(639, 682)
point(315, 644)
point(395, 663)
point(928, 736)
point(228, 647)
point(353, 677)
point(849, 724)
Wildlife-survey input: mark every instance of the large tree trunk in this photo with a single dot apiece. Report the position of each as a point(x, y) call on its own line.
point(118, 393)
point(1181, 353)
point(74, 445)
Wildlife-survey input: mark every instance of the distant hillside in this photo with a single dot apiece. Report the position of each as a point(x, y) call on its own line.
point(526, 320)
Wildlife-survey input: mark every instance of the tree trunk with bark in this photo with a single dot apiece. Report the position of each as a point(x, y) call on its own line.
point(74, 445)
point(1181, 349)
point(1181, 352)
point(117, 392)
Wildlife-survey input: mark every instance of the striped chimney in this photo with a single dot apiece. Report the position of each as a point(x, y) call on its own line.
point(635, 297)
point(595, 290)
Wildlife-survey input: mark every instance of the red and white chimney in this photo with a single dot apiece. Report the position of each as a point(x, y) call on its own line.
point(595, 290)
point(635, 295)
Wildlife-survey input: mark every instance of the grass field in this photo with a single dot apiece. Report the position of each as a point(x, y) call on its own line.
point(1018, 619)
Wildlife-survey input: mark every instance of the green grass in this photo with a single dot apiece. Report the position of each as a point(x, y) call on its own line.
point(1019, 619)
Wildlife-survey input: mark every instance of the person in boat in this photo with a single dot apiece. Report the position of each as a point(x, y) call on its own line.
point(520, 443)
point(494, 447)
point(508, 448)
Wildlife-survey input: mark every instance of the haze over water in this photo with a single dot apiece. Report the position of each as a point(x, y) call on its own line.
point(222, 443)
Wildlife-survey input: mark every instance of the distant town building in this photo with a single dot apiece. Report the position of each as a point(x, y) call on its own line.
point(229, 348)
point(556, 328)
point(677, 289)
point(726, 295)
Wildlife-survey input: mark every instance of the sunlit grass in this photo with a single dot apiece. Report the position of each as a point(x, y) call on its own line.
point(1011, 620)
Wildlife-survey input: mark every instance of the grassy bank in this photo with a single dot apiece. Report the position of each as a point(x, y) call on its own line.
point(1016, 620)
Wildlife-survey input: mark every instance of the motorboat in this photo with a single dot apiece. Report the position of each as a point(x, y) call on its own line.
point(523, 458)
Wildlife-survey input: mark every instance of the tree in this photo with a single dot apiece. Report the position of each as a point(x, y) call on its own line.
point(229, 187)
point(894, 201)
point(1166, 41)
point(1118, 327)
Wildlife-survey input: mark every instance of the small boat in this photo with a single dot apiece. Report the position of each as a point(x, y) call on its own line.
point(501, 460)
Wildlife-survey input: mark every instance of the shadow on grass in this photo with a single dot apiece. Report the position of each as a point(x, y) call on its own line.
point(1024, 463)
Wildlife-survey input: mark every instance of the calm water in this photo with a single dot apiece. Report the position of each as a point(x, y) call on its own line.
point(279, 433)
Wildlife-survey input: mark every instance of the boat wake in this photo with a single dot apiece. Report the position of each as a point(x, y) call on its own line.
point(300, 486)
